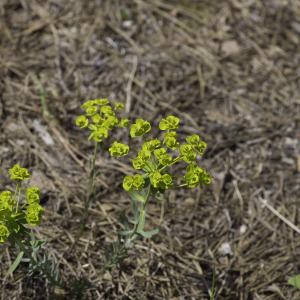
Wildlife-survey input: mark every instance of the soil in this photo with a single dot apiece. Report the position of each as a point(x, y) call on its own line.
point(230, 71)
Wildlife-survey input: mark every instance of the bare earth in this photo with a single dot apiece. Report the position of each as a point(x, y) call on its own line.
point(230, 70)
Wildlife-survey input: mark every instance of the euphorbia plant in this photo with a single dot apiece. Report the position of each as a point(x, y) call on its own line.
point(20, 211)
point(100, 118)
point(154, 163)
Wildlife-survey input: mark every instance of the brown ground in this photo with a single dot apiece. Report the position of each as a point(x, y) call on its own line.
point(229, 69)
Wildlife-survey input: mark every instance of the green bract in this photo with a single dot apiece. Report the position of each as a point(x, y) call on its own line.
point(33, 214)
point(151, 145)
point(107, 110)
point(127, 183)
point(119, 106)
point(91, 110)
point(169, 123)
point(138, 181)
point(170, 140)
point(124, 123)
point(139, 128)
point(188, 153)
point(82, 121)
point(135, 182)
point(138, 163)
point(98, 134)
point(195, 141)
point(90, 103)
point(4, 233)
point(18, 173)
point(6, 201)
point(118, 149)
point(161, 181)
point(33, 195)
point(196, 175)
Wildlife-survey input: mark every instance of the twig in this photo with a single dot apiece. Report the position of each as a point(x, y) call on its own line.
point(276, 213)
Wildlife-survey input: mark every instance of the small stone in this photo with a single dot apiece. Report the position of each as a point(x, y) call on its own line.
point(231, 47)
point(225, 249)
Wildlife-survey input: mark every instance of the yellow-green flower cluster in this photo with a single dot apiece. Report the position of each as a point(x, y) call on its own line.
point(135, 182)
point(34, 210)
point(196, 175)
point(33, 214)
point(169, 123)
point(7, 203)
point(170, 140)
point(100, 118)
point(4, 233)
point(160, 181)
point(15, 215)
point(139, 128)
point(118, 149)
point(198, 145)
point(157, 156)
point(18, 174)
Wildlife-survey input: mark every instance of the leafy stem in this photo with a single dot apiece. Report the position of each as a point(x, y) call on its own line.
point(91, 184)
point(17, 195)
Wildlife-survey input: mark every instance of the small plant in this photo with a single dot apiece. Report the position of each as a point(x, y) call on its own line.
point(20, 211)
point(295, 281)
point(155, 164)
point(100, 118)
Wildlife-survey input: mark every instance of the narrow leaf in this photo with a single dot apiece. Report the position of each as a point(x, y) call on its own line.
point(141, 224)
point(16, 262)
point(139, 197)
point(148, 234)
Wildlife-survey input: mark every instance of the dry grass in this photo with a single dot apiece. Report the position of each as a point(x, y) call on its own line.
point(229, 69)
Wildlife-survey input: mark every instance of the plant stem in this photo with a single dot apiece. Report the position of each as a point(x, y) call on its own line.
point(91, 185)
point(173, 162)
point(17, 195)
point(133, 235)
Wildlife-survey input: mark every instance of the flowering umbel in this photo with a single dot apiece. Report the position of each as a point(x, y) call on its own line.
point(156, 157)
point(15, 212)
point(100, 118)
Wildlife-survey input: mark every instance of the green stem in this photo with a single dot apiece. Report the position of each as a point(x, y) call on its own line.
point(91, 184)
point(17, 195)
point(173, 162)
point(133, 235)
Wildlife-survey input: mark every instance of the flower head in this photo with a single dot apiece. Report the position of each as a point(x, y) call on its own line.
point(33, 195)
point(151, 145)
point(169, 123)
point(119, 106)
point(17, 173)
point(82, 121)
point(139, 128)
point(6, 201)
point(161, 181)
point(123, 123)
point(118, 149)
point(170, 140)
point(98, 134)
point(33, 214)
point(197, 143)
point(4, 233)
point(135, 182)
point(188, 153)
